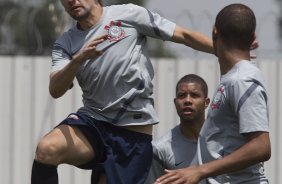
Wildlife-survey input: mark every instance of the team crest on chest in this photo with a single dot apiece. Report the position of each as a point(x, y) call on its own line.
point(115, 32)
point(218, 98)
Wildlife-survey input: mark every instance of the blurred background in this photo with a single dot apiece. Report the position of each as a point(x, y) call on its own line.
point(28, 29)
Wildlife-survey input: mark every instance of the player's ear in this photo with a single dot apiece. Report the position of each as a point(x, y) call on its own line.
point(174, 100)
point(214, 33)
point(207, 102)
point(255, 43)
point(254, 36)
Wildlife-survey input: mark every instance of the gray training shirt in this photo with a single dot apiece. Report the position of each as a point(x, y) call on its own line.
point(117, 86)
point(171, 151)
point(239, 106)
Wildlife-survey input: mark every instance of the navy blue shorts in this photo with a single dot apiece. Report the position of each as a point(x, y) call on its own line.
point(123, 155)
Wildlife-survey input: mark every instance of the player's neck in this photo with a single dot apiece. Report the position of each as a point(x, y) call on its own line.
point(93, 18)
point(228, 59)
point(191, 130)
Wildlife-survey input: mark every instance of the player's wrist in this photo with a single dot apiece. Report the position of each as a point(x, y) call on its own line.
point(203, 171)
point(78, 59)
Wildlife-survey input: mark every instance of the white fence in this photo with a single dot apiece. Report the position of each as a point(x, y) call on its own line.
point(28, 112)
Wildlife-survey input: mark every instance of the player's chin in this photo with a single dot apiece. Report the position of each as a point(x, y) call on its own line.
point(187, 117)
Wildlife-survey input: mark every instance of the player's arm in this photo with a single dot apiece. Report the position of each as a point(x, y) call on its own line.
point(192, 39)
point(257, 149)
point(61, 80)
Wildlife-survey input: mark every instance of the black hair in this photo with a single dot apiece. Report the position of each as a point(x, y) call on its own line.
point(236, 24)
point(193, 78)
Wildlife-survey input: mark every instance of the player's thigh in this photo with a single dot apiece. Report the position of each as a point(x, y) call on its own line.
point(67, 144)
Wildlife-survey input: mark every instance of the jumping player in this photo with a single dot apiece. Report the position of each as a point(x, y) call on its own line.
point(106, 52)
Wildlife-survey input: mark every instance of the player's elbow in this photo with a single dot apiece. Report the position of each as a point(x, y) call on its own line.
point(265, 151)
point(261, 150)
point(267, 154)
point(54, 93)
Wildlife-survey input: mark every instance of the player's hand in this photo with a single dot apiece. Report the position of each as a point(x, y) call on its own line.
point(89, 51)
point(188, 175)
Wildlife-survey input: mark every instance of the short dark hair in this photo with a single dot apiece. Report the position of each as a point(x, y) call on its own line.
point(236, 24)
point(193, 78)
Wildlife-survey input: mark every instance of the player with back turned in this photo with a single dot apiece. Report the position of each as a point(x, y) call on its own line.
point(234, 140)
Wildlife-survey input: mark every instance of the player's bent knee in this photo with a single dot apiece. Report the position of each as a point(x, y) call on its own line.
point(47, 153)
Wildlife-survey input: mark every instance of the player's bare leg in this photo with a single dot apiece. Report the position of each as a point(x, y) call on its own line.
point(64, 144)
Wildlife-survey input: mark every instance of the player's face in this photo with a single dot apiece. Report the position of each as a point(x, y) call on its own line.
point(78, 9)
point(190, 102)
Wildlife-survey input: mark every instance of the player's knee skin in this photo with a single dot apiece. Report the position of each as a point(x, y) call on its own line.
point(47, 153)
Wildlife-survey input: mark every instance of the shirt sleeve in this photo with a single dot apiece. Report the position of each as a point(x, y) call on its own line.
point(60, 56)
point(251, 107)
point(150, 23)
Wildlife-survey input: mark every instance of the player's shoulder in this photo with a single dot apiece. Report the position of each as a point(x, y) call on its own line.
point(125, 8)
point(242, 73)
point(67, 36)
point(249, 73)
point(162, 139)
point(166, 138)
